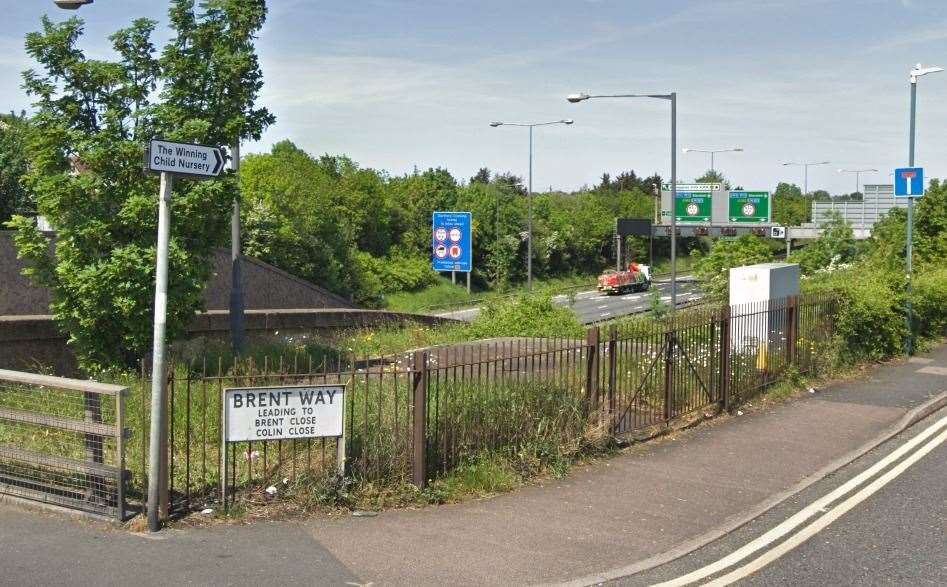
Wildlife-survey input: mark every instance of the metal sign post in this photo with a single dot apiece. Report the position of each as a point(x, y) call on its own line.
point(158, 415)
point(170, 160)
point(909, 183)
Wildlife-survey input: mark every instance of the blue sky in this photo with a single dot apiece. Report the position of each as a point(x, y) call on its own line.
point(397, 84)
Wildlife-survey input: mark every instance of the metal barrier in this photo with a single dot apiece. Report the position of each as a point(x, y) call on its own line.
point(62, 442)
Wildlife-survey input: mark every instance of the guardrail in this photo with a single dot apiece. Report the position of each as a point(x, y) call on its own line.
point(62, 443)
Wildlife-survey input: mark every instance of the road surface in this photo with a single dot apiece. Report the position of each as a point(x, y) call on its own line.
point(592, 306)
point(882, 520)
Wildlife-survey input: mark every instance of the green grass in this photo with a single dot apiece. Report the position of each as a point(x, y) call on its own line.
point(685, 264)
point(445, 296)
point(389, 340)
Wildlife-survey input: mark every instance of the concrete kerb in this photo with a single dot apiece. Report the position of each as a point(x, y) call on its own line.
point(909, 419)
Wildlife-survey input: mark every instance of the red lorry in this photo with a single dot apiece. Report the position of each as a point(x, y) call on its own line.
point(636, 278)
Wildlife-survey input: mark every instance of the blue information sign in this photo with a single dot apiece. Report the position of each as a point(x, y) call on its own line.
point(909, 182)
point(451, 242)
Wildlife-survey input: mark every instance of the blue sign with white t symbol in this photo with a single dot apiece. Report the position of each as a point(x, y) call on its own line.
point(909, 182)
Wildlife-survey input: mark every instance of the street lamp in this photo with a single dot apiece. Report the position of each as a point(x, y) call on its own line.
point(712, 152)
point(71, 4)
point(529, 193)
point(672, 97)
point(917, 72)
point(806, 166)
point(858, 173)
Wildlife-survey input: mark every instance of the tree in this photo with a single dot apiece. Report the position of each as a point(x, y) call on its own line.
point(92, 118)
point(714, 269)
point(713, 176)
point(605, 184)
point(482, 176)
point(835, 246)
point(291, 218)
point(510, 181)
point(790, 207)
point(887, 245)
point(14, 132)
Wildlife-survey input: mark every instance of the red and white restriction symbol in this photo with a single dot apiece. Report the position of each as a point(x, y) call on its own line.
point(455, 235)
point(455, 252)
point(440, 251)
point(440, 235)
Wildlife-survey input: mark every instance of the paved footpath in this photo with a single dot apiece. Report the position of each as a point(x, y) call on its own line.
point(656, 500)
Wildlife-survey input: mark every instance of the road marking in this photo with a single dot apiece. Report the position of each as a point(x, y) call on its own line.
point(603, 314)
point(801, 516)
point(834, 514)
point(933, 370)
point(603, 307)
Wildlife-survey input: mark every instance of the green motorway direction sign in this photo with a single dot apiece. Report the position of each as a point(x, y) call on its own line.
point(749, 207)
point(693, 206)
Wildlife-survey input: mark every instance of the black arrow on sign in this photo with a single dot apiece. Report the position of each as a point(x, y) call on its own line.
point(220, 161)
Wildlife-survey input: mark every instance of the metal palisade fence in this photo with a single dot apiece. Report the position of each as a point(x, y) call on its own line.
point(414, 416)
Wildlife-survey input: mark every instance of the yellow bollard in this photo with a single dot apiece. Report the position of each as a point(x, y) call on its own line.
point(762, 358)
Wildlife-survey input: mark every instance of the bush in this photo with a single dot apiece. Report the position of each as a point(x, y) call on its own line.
point(870, 324)
point(836, 245)
point(526, 315)
point(714, 269)
point(929, 302)
point(395, 274)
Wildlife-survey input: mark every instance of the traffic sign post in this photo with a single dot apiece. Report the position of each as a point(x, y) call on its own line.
point(909, 182)
point(170, 160)
point(452, 243)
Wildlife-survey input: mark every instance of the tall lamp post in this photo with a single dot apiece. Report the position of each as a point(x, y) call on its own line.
point(806, 166)
point(917, 72)
point(712, 152)
point(529, 193)
point(672, 97)
point(858, 173)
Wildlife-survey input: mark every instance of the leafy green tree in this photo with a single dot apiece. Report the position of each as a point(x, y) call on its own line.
point(887, 245)
point(714, 268)
point(790, 206)
point(930, 227)
point(835, 246)
point(14, 133)
point(291, 218)
point(713, 176)
point(482, 176)
point(92, 118)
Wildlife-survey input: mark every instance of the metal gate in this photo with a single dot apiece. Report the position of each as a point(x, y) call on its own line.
point(62, 442)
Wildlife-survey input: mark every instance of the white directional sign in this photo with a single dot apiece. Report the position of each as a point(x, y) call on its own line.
point(275, 413)
point(185, 159)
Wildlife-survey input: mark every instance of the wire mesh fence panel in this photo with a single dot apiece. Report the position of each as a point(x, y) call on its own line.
point(62, 442)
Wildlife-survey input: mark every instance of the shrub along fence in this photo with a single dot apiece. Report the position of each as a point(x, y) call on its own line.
point(414, 416)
